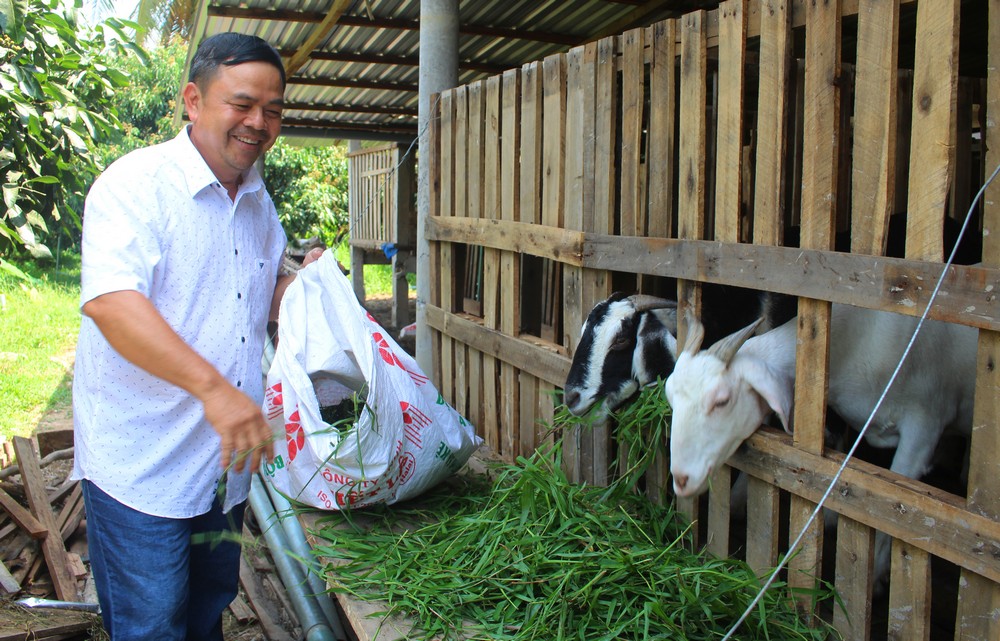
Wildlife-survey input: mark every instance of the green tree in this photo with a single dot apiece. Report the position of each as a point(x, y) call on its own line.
point(146, 110)
point(309, 188)
point(55, 92)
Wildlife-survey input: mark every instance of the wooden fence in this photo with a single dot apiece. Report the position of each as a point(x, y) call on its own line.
point(690, 150)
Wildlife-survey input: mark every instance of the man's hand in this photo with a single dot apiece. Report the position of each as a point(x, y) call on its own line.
point(241, 426)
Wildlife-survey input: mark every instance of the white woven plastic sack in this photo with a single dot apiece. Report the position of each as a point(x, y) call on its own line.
point(406, 439)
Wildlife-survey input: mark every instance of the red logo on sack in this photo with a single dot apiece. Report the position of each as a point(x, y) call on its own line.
point(295, 436)
point(390, 357)
point(407, 465)
point(414, 421)
point(273, 400)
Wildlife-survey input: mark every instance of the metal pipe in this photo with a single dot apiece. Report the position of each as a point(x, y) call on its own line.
point(302, 552)
point(311, 617)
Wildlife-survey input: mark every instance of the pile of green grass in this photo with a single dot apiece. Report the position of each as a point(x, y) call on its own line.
point(39, 323)
point(531, 556)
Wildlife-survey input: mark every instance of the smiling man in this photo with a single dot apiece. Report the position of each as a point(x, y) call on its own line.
point(181, 252)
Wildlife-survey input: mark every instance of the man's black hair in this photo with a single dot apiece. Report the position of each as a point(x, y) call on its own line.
point(232, 49)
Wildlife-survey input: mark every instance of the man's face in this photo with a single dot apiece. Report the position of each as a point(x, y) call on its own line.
point(236, 117)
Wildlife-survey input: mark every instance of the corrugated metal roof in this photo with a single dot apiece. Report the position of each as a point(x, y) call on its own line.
point(360, 79)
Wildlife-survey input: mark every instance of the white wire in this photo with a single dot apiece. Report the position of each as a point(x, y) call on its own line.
point(864, 429)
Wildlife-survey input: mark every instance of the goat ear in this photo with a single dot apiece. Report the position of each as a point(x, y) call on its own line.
point(695, 333)
point(776, 391)
point(724, 349)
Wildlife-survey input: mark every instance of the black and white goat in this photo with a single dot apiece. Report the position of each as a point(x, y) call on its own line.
point(720, 396)
point(627, 342)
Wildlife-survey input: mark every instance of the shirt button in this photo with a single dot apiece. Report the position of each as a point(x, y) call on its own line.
point(243, 339)
point(239, 383)
point(237, 252)
point(239, 295)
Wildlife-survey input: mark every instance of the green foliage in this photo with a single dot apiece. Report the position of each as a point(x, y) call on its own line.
point(39, 322)
point(55, 92)
point(309, 188)
point(146, 110)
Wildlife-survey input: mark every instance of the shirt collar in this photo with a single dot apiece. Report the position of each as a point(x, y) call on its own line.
point(198, 175)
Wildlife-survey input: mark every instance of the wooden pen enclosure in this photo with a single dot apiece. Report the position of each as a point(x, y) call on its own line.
point(741, 146)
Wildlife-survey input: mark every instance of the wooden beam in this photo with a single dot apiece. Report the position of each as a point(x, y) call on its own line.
point(888, 284)
point(316, 36)
point(351, 109)
point(353, 83)
point(52, 546)
point(391, 60)
point(922, 516)
point(22, 517)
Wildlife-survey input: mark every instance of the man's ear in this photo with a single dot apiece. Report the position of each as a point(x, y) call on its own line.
point(192, 100)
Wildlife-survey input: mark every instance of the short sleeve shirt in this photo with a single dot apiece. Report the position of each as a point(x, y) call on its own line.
point(157, 221)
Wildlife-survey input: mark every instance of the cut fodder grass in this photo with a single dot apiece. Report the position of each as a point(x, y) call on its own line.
point(532, 556)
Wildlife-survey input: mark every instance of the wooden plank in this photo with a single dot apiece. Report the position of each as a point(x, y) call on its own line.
point(762, 525)
point(272, 628)
point(633, 103)
point(491, 259)
point(729, 141)
point(693, 93)
point(52, 546)
point(50, 625)
point(24, 519)
point(979, 599)
point(510, 264)
point(932, 156)
point(910, 593)
point(72, 512)
point(443, 295)
point(460, 353)
point(889, 284)
point(476, 132)
point(922, 516)
point(7, 581)
point(529, 211)
point(874, 155)
point(578, 443)
point(692, 175)
point(853, 579)
point(605, 139)
point(531, 356)
point(662, 118)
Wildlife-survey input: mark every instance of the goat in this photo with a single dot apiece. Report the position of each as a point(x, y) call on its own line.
point(627, 342)
point(720, 396)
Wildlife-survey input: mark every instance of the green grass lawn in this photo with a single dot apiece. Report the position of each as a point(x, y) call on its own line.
point(39, 321)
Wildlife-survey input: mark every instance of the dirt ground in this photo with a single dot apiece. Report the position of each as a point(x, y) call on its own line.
point(249, 629)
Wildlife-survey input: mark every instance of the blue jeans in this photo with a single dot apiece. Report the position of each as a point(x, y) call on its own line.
point(160, 578)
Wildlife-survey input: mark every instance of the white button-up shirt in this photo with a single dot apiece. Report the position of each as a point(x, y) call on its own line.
point(157, 221)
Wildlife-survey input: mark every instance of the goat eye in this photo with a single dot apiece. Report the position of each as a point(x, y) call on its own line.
point(621, 342)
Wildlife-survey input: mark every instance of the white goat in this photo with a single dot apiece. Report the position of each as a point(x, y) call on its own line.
point(720, 396)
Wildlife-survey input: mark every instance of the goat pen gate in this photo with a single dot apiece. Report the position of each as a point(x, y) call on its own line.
point(686, 150)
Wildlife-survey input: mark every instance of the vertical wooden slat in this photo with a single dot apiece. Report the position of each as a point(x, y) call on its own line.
point(445, 295)
point(874, 155)
point(729, 145)
point(768, 222)
point(691, 164)
point(491, 257)
point(979, 599)
point(460, 351)
point(510, 266)
point(855, 557)
point(633, 101)
point(762, 525)
point(441, 189)
point(932, 153)
point(662, 118)
point(529, 211)
point(819, 201)
point(553, 168)
point(910, 596)
point(732, 51)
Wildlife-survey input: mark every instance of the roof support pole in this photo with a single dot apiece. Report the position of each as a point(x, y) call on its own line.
point(438, 71)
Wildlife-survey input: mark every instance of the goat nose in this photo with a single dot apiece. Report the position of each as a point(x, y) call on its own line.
point(572, 398)
point(681, 480)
